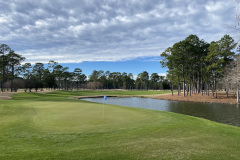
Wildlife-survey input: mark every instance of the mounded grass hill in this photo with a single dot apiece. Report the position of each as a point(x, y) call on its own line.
point(52, 126)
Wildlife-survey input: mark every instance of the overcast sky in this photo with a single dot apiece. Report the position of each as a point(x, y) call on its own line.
point(72, 31)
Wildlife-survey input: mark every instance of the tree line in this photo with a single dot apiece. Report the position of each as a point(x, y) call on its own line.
point(197, 65)
point(231, 78)
point(118, 80)
point(14, 75)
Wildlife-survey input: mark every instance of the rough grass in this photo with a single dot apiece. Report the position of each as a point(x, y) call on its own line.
point(50, 126)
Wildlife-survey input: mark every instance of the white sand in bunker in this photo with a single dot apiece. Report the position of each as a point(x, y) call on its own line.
point(8, 94)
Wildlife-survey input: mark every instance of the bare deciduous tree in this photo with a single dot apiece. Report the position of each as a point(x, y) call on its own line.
point(232, 76)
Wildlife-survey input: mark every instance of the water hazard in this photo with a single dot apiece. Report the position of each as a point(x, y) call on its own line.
point(223, 113)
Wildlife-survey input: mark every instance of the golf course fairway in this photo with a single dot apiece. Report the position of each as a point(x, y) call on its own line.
point(52, 126)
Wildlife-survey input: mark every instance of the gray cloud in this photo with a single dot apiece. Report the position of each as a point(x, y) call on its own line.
point(109, 30)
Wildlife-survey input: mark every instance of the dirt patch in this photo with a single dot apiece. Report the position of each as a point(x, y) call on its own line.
point(221, 98)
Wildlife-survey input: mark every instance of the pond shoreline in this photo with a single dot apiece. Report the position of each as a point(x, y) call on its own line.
point(222, 99)
point(101, 96)
point(221, 113)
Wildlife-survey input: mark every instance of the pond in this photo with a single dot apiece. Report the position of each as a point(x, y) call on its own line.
point(223, 113)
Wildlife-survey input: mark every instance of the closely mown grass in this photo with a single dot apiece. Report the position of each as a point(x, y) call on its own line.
point(63, 95)
point(51, 126)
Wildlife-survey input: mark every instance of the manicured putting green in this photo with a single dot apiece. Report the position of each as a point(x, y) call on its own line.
point(34, 126)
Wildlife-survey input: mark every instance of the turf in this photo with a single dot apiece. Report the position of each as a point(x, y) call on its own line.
point(63, 95)
point(51, 126)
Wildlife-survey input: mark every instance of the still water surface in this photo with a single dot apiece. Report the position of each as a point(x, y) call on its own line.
point(223, 113)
